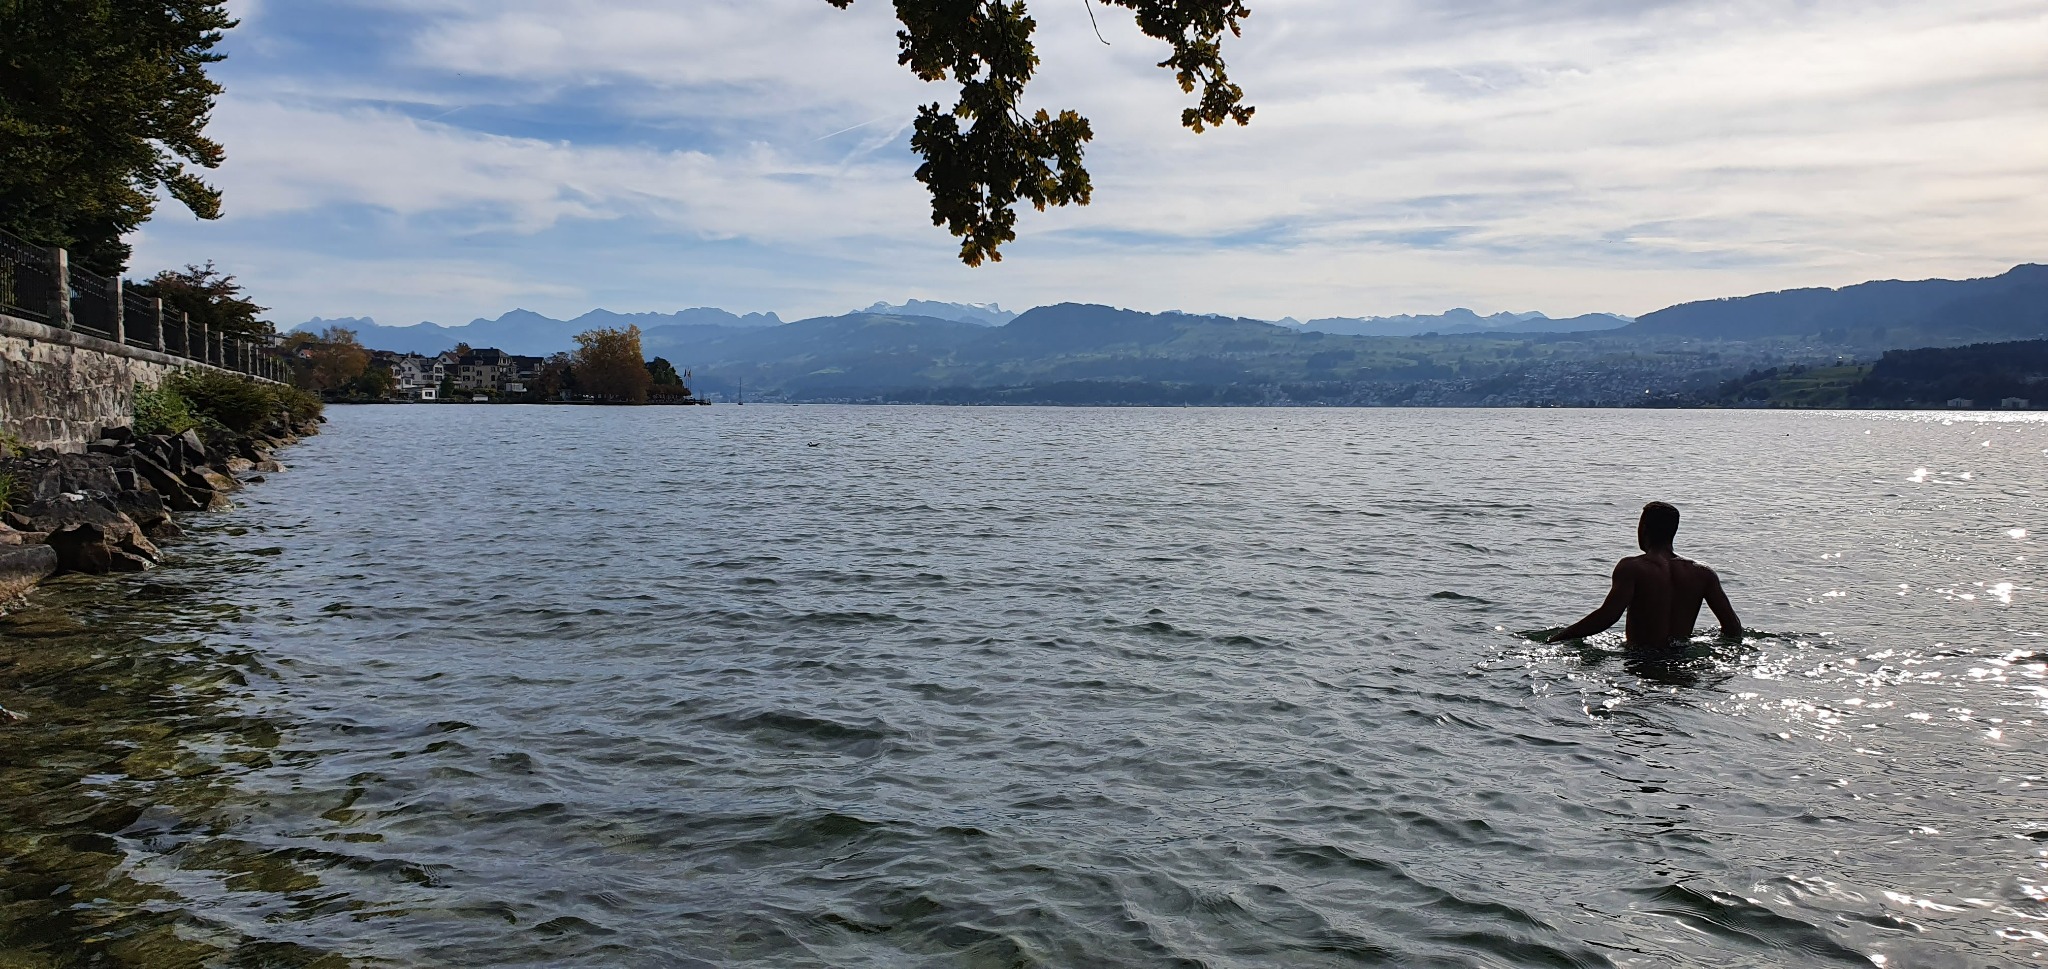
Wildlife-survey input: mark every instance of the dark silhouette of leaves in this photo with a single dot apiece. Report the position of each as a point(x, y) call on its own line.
point(984, 154)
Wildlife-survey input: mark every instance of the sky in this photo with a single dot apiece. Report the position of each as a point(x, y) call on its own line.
point(445, 160)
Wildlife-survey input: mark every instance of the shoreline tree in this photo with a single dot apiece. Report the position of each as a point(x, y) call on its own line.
point(608, 365)
point(983, 155)
point(208, 296)
point(104, 103)
point(332, 358)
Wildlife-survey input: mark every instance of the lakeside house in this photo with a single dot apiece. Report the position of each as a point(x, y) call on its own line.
point(418, 377)
point(494, 370)
point(1961, 403)
point(487, 368)
point(2014, 403)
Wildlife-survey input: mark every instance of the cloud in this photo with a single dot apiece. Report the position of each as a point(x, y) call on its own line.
point(1563, 155)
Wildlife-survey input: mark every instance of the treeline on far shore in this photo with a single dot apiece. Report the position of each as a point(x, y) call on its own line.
point(2009, 375)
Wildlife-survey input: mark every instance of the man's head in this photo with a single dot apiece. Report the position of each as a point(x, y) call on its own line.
point(1658, 527)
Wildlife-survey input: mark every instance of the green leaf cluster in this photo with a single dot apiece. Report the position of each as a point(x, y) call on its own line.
point(102, 105)
point(664, 373)
point(205, 398)
point(984, 155)
point(162, 410)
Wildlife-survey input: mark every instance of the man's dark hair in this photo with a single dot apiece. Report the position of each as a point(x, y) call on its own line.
point(1660, 523)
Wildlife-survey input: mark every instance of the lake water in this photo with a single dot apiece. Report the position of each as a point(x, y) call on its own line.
point(836, 686)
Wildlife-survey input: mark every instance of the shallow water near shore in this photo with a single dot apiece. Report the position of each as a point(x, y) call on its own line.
point(841, 686)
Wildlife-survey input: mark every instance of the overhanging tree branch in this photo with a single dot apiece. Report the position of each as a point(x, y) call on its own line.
point(984, 155)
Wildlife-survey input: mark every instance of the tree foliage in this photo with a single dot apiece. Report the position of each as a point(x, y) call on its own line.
point(102, 104)
point(555, 374)
point(206, 296)
point(609, 365)
point(329, 360)
point(663, 373)
point(983, 156)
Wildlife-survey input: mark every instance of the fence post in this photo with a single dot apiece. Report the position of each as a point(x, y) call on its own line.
point(60, 300)
point(115, 291)
point(205, 342)
point(157, 313)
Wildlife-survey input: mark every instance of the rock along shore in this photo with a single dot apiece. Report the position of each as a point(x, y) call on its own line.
point(104, 511)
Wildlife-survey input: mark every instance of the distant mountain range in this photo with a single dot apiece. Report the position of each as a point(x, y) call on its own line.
point(986, 314)
point(523, 331)
point(926, 350)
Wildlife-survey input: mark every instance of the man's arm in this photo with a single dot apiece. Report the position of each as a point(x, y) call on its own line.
point(1610, 611)
point(1731, 625)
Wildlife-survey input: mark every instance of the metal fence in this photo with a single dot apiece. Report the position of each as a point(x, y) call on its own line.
point(40, 285)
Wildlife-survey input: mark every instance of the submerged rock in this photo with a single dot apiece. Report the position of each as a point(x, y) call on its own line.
point(22, 566)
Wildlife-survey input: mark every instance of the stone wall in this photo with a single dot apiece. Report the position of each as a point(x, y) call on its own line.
point(59, 387)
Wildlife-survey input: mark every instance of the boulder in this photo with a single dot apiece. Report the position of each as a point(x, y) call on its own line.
point(106, 446)
point(89, 536)
point(210, 479)
point(239, 464)
point(145, 508)
point(45, 475)
point(70, 511)
point(269, 467)
point(194, 448)
point(22, 566)
point(95, 549)
point(122, 433)
point(208, 487)
point(165, 450)
point(169, 485)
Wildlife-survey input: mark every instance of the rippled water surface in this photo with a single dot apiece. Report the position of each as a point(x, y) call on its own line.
point(818, 686)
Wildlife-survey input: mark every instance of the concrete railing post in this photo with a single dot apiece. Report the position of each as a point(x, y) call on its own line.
point(60, 297)
point(157, 315)
point(205, 344)
point(114, 292)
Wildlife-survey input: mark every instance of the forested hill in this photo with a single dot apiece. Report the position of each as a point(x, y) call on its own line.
point(1984, 373)
point(861, 355)
point(1896, 313)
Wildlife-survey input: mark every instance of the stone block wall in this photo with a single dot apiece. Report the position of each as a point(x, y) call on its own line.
point(59, 387)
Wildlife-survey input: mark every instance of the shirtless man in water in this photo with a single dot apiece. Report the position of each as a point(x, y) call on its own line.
point(1660, 592)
